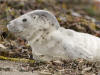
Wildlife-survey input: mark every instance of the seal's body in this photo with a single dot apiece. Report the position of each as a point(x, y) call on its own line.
point(50, 41)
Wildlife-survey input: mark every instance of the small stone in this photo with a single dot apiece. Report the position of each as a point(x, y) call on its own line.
point(86, 69)
point(45, 73)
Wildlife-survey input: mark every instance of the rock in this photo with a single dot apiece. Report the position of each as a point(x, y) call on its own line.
point(45, 73)
point(2, 46)
point(75, 14)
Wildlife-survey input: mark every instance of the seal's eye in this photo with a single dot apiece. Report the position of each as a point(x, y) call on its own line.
point(24, 20)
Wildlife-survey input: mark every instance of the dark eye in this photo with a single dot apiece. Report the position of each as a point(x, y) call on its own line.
point(24, 20)
point(34, 17)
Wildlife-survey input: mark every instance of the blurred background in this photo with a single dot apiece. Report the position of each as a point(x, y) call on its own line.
point(89, 9)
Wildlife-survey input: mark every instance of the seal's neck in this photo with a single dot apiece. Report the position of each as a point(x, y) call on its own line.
point(40, 34)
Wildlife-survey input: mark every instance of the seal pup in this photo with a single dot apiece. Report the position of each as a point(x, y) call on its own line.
point(50, 41)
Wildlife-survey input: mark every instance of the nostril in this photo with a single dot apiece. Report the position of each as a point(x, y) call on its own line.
point(8, 23)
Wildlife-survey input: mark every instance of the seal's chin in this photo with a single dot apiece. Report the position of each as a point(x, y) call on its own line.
point(18, 34)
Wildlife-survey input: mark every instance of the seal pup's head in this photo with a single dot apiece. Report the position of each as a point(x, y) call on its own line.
point(32, 22)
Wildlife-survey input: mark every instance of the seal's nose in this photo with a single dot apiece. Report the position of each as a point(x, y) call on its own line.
point(8, 23)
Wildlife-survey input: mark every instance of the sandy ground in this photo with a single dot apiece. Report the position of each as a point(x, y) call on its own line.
point(10, 66)
point(53, 68)
point(18, 73)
